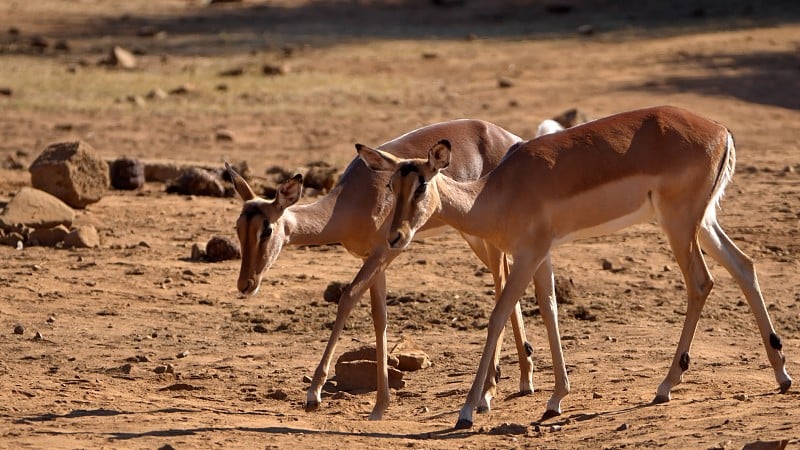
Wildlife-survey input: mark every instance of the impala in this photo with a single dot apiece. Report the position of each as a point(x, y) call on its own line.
point(354, 214)
point(661, 163)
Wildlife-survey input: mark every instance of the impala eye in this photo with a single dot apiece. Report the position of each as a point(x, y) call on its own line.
point(267, 231)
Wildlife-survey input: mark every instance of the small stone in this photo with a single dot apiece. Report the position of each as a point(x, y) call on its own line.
point(622, 427)
point(198, 252)
point(234, 72)
point(741, 397)
point(334, 291)
point(278, 394)
point(596, 395)
point(224, 136)
point(19, 329)
point(6, 91)
point(306, 379)
point(38, 336)
point(275, 69)
point(186, 88)
point(585, 30)
point(51, 319)
point(157, 94)
point(607, 265)
point(122, 58)
point(555, 428)
point(504, 83)
point(182, 354)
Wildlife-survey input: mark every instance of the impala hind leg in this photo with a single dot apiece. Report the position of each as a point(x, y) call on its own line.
point(546, 298)
point(717, 244)
point(683, 241)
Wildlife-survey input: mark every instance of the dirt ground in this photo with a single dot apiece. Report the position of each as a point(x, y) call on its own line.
point(366, 72)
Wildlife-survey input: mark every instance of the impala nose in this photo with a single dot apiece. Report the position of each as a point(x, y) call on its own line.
point(396, 238)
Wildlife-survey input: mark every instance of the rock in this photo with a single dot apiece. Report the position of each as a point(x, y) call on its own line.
point(41, 42)
point(409, 356)
point(571, 117)
point(224, 136)
point(182, 354)
point(321, 176)
point(766, 445)
point(278, 394)
point(196, 181)
point(275, 69)
point(334, 291)
point(157, 94)
point(366, 353)
point(362, 375)
point(48, 237)
point(168, 368)
point(19, 329)
point(13, 239)
point(126, 173)
point(306, 379)
point(36, 209)
point(122, 58)
point(7, 91)
point(596, 395)
point(563, 289)
point(622, 427)
point(234, 72)
point(220, 248)
point(198, 252)
point(586, 29)
point(607, 264)
point(186, 88)
point(162, 171)
point(504, 83)
point(82, 237)
point(72, 171)
point(582, 313)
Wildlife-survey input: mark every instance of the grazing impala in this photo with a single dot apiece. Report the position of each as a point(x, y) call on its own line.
point(354, 214)
point(664, 163)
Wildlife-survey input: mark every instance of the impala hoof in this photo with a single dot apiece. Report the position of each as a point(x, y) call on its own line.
point(525, 392)
point(549, 414)
point(312, 406)
point(660, 399)
point(483, 409)
point(785, 386)
point(463, 424)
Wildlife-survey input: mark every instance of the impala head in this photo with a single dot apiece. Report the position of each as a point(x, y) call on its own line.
point(415, 200)
point(261, 229)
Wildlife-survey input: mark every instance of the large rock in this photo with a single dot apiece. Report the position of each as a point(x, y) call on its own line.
point(196, 181)
point(409, 356)
point(362, 376)
point(72, 171)
point(82, 237)
point(36, 209)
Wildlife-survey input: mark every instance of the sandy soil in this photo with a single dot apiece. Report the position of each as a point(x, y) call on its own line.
point(367, 72)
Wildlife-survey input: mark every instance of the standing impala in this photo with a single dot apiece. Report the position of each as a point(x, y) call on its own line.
point(354, 214)
point(664, 163)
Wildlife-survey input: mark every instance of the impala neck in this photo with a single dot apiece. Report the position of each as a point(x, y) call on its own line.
point(310, 224)
point(461, 208)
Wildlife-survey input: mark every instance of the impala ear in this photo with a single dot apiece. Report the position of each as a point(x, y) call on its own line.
point(289, 191)
point(241, 186)
point(377, 160)
point(439, 155)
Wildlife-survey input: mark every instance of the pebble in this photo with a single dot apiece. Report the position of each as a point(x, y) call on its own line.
point(555, 428)
point(622, 427)
point(183, 354)
point(19, 329)
point(38, 336)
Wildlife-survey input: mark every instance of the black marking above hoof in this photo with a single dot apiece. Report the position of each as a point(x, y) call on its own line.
point(775, 342)
point(483, 409)
point(463, 424)
point(684, 362)
point(549, 414)
point(528, 348)
point(660, 399)
point(785, 386)
point(497, 374)
point(525, 392)
point(312, 406)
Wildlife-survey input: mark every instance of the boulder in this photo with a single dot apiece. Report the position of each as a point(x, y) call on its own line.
point(72, 171)
point(365, 353)
point(362, 376)
point(127, 173)
point(37, 209)
point(48, 237)
point(82, 237)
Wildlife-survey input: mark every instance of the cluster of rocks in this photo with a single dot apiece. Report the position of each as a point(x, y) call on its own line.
point(356, 370)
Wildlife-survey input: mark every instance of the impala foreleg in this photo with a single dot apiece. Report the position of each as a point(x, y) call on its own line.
point(717, 244)
point(518, 279)
point(544, 285)
point(377, 295)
